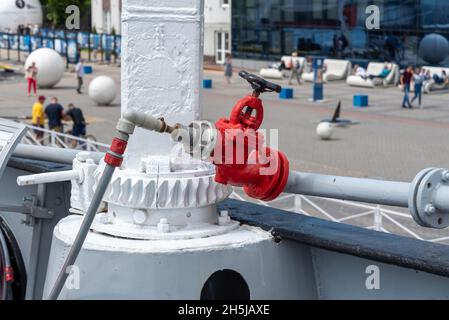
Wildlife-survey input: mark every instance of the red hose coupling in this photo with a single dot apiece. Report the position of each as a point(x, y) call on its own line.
point(9, 274)
point(114, 157)
point(118, 146)
point(242, 160)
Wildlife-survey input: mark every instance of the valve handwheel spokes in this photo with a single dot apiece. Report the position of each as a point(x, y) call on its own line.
point(259, 85)
point(247, 118)
point(248, 113)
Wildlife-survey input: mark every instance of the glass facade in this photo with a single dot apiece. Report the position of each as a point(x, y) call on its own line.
point(268, 29)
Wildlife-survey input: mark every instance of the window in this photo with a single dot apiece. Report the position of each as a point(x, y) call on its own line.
point(225, 3)
point(222, 46)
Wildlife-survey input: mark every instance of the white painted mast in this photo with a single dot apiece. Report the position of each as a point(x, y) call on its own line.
point(161, 76)
point(162, 67)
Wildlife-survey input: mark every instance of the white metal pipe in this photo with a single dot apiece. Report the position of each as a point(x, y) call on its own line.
point(59, 155)
point(347, 188)
point(48, 177)
point(143, 120)
point(441, 198)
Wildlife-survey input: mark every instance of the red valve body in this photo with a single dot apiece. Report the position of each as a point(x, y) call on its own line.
point(241, 158)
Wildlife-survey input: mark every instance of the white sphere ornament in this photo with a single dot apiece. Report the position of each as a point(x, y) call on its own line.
point(50, 66)
point(324, 130)
point(102, 90)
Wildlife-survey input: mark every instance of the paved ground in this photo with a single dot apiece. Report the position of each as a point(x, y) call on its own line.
point(15, 102)
point(389, 142)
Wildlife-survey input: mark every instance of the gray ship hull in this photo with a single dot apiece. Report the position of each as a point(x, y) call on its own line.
point(296, 257)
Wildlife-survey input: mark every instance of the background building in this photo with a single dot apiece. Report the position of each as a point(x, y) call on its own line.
point(268, 29)
point(106, 16)
point(217, 30)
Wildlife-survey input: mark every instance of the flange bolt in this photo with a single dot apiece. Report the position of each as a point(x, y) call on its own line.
point(107, 218)
point(224, 218)
point(430, 209)
point(163, 226)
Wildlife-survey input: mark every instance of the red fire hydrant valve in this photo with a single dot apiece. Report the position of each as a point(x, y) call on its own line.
point(241, 158)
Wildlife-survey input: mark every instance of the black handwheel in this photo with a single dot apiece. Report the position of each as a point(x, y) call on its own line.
point(260, 84)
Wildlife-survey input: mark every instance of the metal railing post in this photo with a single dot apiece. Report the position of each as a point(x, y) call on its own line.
point(9, 46)
point(52, 139)
point(89, 47)
point(378, 218)
point(115, 49)
point(18, 47)
point(297, 203)
point(66, 42)
point(101, 47)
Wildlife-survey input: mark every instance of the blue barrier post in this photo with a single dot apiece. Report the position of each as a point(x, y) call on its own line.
point(207, 84)
point(361, 101)
point(286, 93)
point(88, 69)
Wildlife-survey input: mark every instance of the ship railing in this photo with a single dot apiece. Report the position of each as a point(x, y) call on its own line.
point(374, 217)
point(61, 140)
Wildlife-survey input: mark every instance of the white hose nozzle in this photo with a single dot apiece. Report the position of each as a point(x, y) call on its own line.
point(49, 177)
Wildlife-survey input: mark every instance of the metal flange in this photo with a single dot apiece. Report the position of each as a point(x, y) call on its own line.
point(199, 139)
point(422, 202)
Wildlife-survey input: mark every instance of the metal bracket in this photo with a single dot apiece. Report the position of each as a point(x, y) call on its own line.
point(30, 208)
point(10, 135)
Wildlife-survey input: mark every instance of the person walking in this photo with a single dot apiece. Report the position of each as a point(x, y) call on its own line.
point(38, 117)
point(295, 69)
point(79, 70)
point(79, 123)
point(406, 80)
point(418, 80)
point(55, 113)
point(31, 76)
point(228, 72)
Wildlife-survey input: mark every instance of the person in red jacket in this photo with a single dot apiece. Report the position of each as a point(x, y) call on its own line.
point(31, 76)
